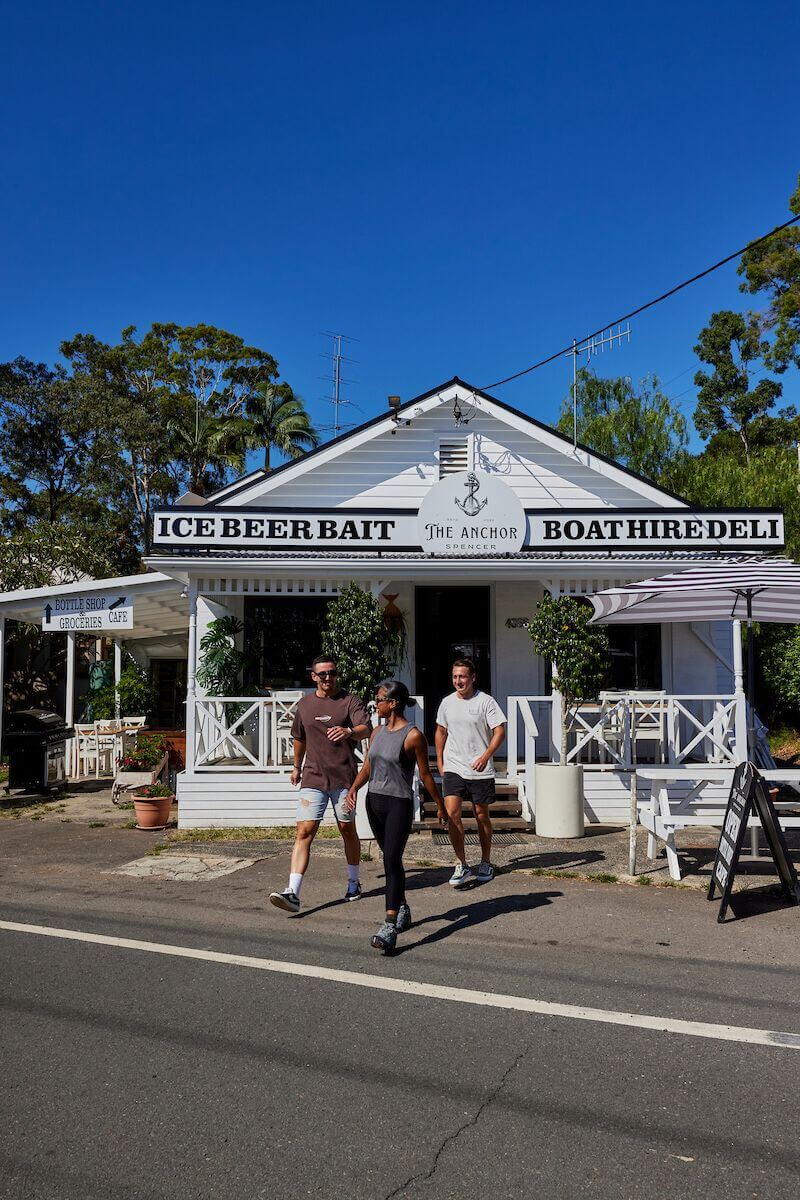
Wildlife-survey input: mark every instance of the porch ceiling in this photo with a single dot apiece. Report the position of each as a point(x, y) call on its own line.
point(159, 607)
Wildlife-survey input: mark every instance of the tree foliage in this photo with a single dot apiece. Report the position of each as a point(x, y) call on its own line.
point(221, 662)
point(578, 651)
point(636, 426)
point(356, 636)
point(729, 398)
point(772, 269)
point(276, 419)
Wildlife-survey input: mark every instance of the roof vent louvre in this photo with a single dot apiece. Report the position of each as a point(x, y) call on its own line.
point(453, 456)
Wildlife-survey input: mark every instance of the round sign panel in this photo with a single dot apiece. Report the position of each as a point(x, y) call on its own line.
point(471, 513)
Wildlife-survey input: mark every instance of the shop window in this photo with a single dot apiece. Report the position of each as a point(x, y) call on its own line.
point(635, 657)
point(281, 636)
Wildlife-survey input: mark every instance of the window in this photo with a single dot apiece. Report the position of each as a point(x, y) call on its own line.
point(453, 456)
point(635, 657)
point(281, 637)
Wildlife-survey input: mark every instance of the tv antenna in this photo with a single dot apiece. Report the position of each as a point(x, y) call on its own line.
point(592, 346)
point(337, 380)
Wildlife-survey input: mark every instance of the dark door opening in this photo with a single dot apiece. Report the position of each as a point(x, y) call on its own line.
point(450, 622)
point(635, 657)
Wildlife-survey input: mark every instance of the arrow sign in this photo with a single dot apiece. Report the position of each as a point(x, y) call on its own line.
point(89, 612)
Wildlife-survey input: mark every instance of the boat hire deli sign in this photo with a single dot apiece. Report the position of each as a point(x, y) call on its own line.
point(470, 513)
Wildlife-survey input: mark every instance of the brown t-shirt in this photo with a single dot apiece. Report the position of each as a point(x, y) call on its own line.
point(328, 766)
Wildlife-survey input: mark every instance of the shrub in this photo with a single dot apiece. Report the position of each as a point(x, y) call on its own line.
point(220, 670)
point(356, 635)
point(154, 791)
point(578, 651)
point(148, 753)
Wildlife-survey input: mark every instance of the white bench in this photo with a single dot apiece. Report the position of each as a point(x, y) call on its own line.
point(661, 816)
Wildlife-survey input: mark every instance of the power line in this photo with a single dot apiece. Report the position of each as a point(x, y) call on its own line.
point(643, 307)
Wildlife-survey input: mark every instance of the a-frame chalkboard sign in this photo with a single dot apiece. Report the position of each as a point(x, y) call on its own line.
point(749, 792)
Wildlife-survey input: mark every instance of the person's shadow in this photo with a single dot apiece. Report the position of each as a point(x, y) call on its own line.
point(465, 916)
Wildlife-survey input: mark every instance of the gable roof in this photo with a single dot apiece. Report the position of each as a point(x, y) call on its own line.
point(266, 481)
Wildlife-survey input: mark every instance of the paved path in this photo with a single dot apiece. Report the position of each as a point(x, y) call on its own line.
point(130, 1073)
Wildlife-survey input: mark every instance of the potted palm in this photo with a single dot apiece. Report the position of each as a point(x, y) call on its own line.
point(579, 654)
point(152, 804)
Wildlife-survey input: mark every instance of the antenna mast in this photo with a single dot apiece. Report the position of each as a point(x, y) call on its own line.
point(337, 380)
point(592, 346)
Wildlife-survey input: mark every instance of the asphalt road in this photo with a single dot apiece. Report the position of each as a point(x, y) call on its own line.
point(129, 1074)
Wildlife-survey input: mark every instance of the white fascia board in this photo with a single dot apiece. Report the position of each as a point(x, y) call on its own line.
point(155, 581)
point(326, 455)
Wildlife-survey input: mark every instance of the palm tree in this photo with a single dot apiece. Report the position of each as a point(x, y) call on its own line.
point(276, 417)
point(207, 447)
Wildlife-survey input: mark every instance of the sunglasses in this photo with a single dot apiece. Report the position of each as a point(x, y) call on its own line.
point(383, 699)
point(325, 674)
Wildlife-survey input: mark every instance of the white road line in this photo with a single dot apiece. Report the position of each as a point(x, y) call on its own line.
point(408, 987)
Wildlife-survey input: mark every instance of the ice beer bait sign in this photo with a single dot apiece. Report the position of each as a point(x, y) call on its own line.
point(470, 513)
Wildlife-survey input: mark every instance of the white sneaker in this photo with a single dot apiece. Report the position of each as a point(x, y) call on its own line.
point(463, 874)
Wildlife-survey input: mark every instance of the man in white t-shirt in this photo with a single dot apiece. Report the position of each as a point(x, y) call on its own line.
point(470, 727)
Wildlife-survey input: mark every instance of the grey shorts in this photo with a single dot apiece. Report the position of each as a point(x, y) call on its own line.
point(312, 804)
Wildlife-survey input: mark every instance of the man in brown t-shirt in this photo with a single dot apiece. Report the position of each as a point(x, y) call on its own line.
point(327, 725)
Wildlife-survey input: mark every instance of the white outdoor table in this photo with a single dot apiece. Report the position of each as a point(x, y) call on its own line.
point(661, 819)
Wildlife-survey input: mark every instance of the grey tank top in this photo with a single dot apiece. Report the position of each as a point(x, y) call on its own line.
point(391, 770)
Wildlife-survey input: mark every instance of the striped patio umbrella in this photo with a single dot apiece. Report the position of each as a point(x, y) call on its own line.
point(752, 589)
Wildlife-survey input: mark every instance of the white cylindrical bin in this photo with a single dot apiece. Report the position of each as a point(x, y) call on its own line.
point(559, 801)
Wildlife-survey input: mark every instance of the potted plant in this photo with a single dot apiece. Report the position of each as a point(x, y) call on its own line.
point(579, 654)
point(152, 804)
point(142, 765)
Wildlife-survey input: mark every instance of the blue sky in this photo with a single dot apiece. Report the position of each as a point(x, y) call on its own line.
point(461, 187)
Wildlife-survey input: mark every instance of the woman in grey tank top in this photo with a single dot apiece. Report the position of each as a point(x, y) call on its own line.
point(396, 748)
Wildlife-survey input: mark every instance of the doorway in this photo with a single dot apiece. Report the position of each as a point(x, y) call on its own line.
point(450, 622)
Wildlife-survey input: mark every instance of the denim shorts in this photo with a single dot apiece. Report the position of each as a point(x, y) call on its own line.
point(311, 804)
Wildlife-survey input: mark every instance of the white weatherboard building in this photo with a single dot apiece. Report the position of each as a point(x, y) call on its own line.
point(459, 512)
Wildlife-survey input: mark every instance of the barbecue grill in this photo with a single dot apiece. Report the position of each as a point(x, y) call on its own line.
point(36, 743)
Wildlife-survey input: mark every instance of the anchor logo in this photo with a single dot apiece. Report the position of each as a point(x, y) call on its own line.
point(472, 506)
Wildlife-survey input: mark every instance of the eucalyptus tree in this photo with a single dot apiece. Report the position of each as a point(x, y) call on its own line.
point(637, 426)
point(148, 386)
point(731, 396)
point(772, 269)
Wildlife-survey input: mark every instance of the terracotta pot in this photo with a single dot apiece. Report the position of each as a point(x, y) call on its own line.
point(152, 814)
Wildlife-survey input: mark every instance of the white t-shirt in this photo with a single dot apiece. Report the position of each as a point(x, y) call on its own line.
point(469, 725)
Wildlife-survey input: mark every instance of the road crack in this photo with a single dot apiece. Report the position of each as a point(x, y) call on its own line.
point(425, 1176)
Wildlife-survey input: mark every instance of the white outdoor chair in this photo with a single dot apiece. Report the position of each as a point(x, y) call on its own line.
point(284, 707)
point(84, 750)
point(106, 742)
point(649, 723)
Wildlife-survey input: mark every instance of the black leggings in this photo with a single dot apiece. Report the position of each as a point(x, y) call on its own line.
point(390, 818)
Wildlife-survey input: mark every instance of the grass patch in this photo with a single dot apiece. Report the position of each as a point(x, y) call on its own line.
point(66, 820)
point(603, 877)
point(127, 804)
point(426, 862)
point(129, 825)
point(644, 880)
point(35, 817)
point(247, 833)
point(97, 824)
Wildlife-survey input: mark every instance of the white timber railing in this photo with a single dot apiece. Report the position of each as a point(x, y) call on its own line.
point(254, 733)
point(628, 729)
